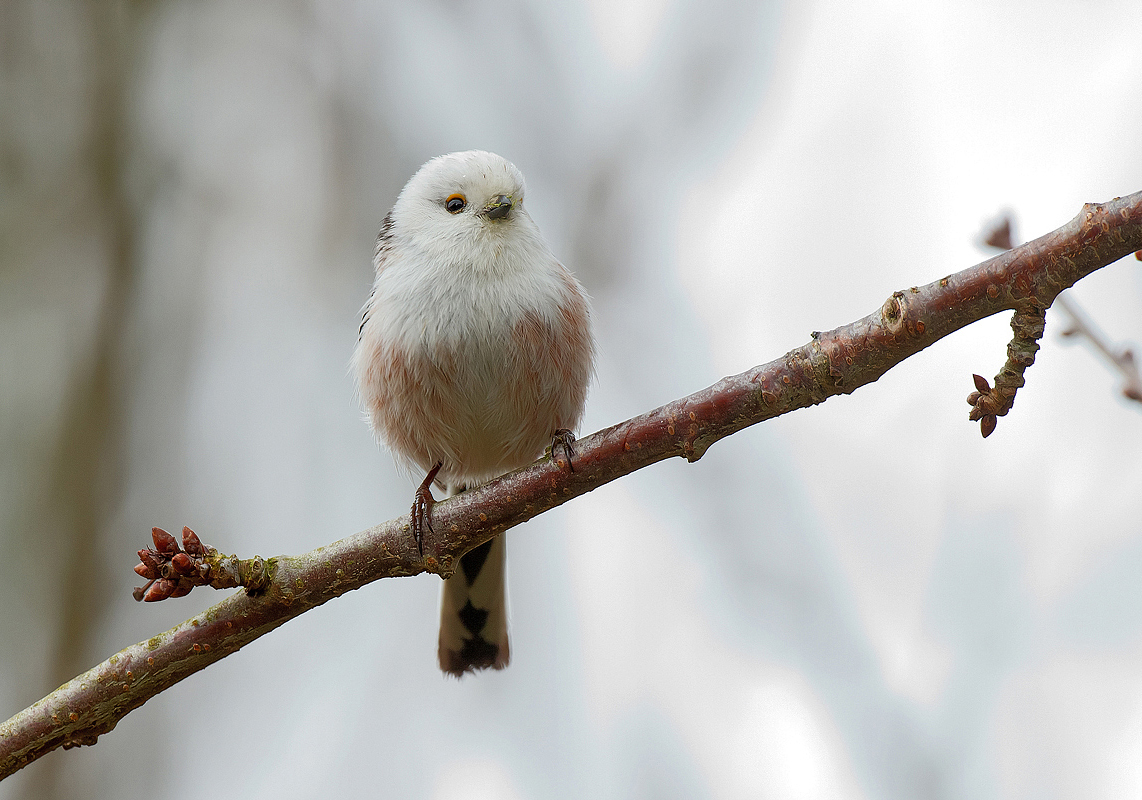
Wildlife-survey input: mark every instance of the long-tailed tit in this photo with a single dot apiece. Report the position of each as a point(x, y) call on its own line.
point(475, 353)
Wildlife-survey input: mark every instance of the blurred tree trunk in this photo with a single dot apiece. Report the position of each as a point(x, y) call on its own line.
point(85, 479)
point(82, 480)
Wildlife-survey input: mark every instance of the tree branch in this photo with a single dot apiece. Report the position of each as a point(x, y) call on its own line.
point(1120, 357)
point(1025, 279)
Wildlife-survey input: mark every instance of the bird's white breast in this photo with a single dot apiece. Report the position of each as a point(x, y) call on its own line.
point(442, 367)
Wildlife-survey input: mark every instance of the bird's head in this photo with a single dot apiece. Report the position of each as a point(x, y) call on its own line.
point(462, 196)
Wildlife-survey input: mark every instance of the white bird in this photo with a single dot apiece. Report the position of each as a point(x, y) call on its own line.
point(474, 354)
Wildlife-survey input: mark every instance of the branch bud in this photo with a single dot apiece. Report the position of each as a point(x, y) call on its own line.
point(191, 543)
point(182, 564)
point(164, 542)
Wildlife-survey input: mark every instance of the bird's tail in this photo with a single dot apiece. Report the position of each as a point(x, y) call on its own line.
point(473, 612)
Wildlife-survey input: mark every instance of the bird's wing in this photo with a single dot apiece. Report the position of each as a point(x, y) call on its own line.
point(381, 254)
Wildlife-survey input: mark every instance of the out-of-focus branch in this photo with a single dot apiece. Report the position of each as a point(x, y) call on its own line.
point(834, 362)
point(1121, 357)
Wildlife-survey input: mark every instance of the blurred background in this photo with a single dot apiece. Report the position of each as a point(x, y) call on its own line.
point(860, 600)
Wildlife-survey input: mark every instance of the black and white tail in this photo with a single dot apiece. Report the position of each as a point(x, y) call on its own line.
point(473, 612)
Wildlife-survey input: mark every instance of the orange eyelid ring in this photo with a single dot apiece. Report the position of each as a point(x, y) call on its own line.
point(455, 203)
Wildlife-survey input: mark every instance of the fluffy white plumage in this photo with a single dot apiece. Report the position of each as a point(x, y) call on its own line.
point(475, 348)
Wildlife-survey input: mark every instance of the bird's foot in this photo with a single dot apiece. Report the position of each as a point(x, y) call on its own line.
point(565, 440)
point(422, 503)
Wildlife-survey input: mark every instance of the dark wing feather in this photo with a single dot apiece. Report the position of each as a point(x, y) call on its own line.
point(380, 251)
point(384, 239)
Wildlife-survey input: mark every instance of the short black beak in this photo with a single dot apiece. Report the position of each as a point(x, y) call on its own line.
point(499, 208)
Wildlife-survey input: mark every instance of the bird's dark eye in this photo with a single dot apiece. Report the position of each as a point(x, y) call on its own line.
point(455, 203)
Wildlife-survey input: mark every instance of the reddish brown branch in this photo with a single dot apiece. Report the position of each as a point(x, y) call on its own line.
point(836, 362)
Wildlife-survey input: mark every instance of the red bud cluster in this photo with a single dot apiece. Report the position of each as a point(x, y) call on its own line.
point(172, 571)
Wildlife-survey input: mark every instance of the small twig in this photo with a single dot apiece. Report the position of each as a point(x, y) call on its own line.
point(1027, 323)
point(989, 404)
